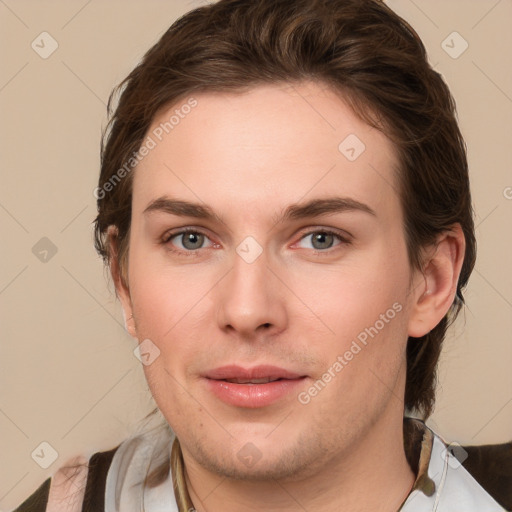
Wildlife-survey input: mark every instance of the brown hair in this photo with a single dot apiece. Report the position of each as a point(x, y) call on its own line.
point(363, 51)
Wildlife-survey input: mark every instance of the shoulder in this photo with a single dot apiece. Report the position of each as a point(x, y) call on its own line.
point(457, 487)
point(491, 466)
point(78, 485)
point(453, 477)
point(37, 501)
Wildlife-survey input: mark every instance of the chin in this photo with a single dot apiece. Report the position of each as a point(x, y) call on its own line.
point(249, 463)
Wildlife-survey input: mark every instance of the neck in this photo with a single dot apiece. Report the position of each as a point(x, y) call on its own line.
point(374, 475)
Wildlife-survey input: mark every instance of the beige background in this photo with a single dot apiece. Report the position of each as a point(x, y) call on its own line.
point(68, 373)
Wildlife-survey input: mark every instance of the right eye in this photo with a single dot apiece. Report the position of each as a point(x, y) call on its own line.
point(188, 241)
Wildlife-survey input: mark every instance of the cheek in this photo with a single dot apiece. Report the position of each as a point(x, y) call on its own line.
point(363, 364)
point(164, 309)
point(364, 307)
point(172, 396)
point(165, 298)
point(366, 292)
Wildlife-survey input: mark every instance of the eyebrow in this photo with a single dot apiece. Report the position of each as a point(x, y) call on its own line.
point(312, 208)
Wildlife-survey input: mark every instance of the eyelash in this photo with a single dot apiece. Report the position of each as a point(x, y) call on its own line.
point(169, 236)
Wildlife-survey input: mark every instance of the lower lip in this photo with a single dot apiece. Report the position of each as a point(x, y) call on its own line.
point(253, 395)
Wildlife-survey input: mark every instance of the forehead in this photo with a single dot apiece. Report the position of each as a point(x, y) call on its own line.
point(271, 145)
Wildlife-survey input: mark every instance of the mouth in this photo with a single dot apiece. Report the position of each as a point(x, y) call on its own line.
point(252, 381)
point(252, 387)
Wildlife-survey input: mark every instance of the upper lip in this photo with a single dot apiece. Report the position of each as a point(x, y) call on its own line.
point(256, 372)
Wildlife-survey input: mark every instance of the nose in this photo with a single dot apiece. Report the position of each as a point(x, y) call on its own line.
point(251, 299)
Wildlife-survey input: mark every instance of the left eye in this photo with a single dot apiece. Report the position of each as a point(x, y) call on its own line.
point(322, 239)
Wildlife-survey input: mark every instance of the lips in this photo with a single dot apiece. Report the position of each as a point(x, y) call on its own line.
point(251, 374)
point(254, 387)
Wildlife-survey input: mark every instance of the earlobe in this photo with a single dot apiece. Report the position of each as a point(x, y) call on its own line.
point(122, 290)
point(434, 296)
point(129, 324)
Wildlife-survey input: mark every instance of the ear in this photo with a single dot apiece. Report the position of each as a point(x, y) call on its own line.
point(436, 285)
point(122, 289)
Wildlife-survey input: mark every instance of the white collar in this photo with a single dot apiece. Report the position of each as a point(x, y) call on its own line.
point(132, 461)
point(455, 488)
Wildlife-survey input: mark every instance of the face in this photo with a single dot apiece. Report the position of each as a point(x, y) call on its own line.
point(268, 270)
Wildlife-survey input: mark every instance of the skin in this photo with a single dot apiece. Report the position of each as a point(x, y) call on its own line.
point(248, 156)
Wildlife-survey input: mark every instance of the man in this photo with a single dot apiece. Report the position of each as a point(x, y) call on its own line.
point(285, 209)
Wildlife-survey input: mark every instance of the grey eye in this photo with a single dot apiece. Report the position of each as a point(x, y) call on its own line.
point(192, 241)
point(322, 240)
